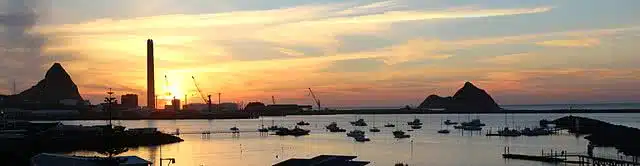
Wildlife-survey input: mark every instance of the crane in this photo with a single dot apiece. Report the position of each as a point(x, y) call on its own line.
point(315, 99)
point(205, 99)
point(166, 86)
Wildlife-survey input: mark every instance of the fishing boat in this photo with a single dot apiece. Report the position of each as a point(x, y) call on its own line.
point(295, 132)
point(355, 133)
point(359, 122)
point(415, 122)
point(333, 127)
point(400, 134)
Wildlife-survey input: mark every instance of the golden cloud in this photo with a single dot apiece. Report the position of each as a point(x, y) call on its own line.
point(588, 42)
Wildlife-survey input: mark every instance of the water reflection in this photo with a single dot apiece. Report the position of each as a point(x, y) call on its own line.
point(426, 147)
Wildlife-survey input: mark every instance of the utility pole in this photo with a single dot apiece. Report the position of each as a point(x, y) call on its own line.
point(219, 94)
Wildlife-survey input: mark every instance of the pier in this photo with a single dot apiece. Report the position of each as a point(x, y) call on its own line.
point(581, 159)
point(208, 132)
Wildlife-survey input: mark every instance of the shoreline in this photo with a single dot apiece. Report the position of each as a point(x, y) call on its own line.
point(235, 115)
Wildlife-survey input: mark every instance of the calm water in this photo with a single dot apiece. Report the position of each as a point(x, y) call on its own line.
point(425, 147)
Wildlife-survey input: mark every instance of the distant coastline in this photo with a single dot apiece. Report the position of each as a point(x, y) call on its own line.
point(341, 112)
point(542, 107)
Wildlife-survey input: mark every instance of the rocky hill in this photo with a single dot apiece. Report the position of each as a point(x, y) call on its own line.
point(56, 86)
point(469, 98)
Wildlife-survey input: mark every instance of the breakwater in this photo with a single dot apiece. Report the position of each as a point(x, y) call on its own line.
point(601, 133)
point(26, 139)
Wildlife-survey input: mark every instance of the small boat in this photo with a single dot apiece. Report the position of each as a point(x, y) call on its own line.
point(302, 123)
point(374, 129)
point(389, 125)
point(415, 122)
point(416, 127)
point(359, 122)
point(449, 122)
point(443, 131)
point(234, 129)
point(361, 138)
point(333, 127)
point(355, 133)
point(262, 129)
point(471, 128)
point(475, 122)
point(400, 134)
point(295, 132)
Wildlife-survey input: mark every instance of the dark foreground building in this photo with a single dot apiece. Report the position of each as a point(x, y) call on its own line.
point(324, 160)
point(129, 101)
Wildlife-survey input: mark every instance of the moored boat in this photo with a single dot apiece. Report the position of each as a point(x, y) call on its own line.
point(449, 122)
point(359, 122)
point(415, 121)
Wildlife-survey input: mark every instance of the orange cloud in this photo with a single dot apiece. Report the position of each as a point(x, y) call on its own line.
point(588, 42)
point(509, 59)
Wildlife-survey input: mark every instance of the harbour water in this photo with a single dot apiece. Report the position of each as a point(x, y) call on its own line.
point(425, 147)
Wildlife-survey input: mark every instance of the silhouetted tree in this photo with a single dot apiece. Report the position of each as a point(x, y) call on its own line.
point(111, 148)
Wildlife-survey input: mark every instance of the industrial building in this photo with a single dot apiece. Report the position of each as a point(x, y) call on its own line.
point(129, 101)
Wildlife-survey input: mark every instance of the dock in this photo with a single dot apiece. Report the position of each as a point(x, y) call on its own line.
point(208, 132)
point(576, 158)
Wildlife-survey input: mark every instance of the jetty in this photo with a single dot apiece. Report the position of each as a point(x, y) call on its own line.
point(575, 158)
point(603, 134)
point(21, 140)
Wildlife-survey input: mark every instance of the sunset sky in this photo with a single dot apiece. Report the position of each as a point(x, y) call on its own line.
point(351, 53)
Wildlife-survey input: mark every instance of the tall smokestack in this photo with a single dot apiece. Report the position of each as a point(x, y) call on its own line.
point(151, 93)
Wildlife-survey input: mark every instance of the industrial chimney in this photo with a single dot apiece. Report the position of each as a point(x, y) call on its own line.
point(151, 94)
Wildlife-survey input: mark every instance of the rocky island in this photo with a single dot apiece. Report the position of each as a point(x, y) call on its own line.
point(469, 98)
